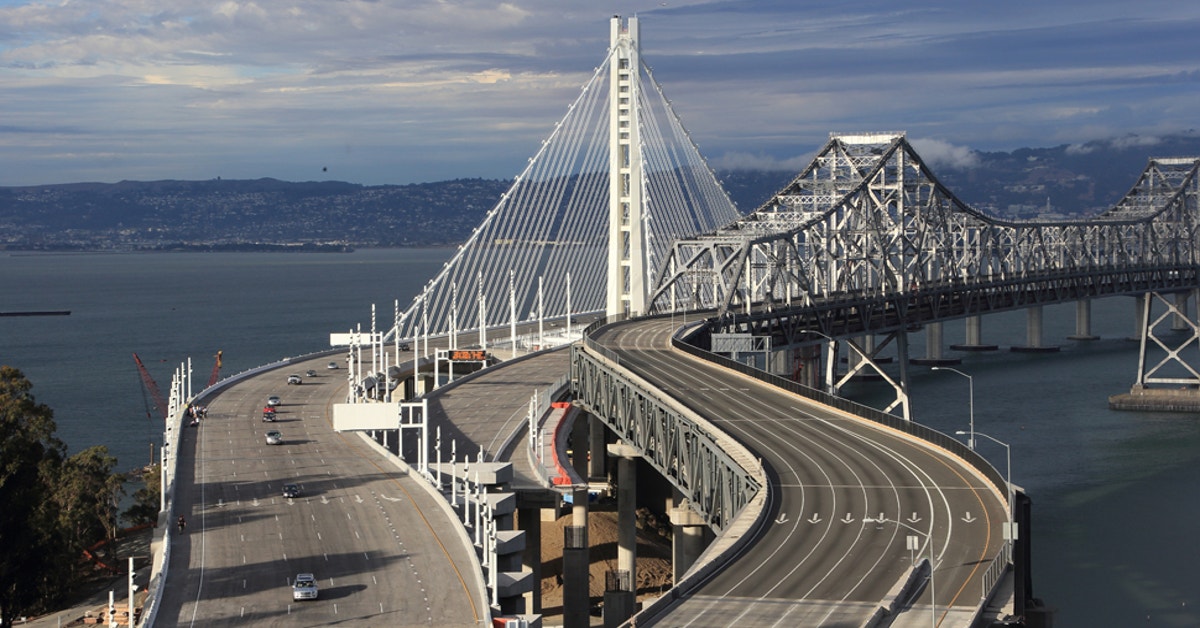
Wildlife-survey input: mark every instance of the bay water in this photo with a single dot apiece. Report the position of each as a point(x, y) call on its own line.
point(1116, 495)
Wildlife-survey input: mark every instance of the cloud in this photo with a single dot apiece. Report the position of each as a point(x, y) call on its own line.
point(418, 84)
point(939, 154)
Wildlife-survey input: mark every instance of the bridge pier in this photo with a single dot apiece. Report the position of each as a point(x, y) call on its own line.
point(1180, 322)
point(620, 595)
point(576, 605)
point(529, 521)
point(1034, 333)
point(974, 336)
point(1083, 321)
point(688, 538)
point(933, 348)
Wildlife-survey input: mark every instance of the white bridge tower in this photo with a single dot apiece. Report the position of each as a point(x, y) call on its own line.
point(626, 224)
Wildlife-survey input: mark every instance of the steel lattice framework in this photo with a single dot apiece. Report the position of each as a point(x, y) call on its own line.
point(868, 218)
point(669, 438)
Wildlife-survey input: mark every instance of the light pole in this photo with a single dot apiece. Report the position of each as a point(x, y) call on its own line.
point(929, 541)
point(829, 360)
point(971, 400)
point(1011, 533)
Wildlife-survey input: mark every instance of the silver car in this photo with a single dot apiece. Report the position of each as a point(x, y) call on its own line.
point(305, 587)
point(274, 438)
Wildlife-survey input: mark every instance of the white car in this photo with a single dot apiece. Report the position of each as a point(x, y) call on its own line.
point(273, 400)
point(305, 587)
point(274, 438)
point(331, 366)
point(294, 379)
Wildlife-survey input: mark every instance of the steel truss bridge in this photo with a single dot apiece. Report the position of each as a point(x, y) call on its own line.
point(865, 241)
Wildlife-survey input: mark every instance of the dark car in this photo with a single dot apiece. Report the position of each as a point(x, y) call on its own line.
point(291, 490)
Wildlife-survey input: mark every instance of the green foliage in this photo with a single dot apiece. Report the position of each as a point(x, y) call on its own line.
point(146, 499)
point(53, 506)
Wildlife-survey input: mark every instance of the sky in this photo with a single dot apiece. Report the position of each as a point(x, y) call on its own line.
point(408, 91)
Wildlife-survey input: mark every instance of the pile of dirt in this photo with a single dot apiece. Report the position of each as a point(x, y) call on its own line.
point(653, 558)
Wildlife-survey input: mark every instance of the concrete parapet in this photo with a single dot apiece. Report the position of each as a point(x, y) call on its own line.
point(502, 503)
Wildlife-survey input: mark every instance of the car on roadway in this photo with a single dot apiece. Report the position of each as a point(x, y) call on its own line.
point(274, 400)
point(269, 414)
point(331, 366)
point(294, 379)
point(304, 587)
point(274, 437)
point(291, 490)
point(310, 373)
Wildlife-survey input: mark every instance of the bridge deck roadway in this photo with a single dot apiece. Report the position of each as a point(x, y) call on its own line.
point(383, 550)
point(818, 562)
point(480, 413)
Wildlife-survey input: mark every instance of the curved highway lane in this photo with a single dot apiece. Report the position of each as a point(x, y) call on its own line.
point(844, 496)
point(377, 542)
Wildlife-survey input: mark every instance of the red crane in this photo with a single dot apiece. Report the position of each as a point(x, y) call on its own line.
point(148, 384)
point(212, 379)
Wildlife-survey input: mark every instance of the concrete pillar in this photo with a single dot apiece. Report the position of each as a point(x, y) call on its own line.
point(933, 347)
point(1140, 303)
point(620, 595)
point(1179, 322)
point(973, 332)
point(596, 466)
point(1083, 321)
point(1033, 333)
point(687, 539)
point(576, 605)
point(627, 515)
point(530, 521)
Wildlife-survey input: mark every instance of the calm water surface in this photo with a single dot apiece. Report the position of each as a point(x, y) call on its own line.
point(1116, 494)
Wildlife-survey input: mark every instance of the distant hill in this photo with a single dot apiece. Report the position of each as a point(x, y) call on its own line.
point(268, 214)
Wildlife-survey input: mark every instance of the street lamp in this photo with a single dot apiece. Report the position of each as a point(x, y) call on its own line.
point(971, 400)
point(929, 541)
point(1011, 533)
point(830, 387)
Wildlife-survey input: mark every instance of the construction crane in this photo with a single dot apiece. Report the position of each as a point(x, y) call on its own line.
point(212, 379)
point(148, 384)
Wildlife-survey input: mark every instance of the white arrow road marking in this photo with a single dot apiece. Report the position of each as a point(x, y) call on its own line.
point(391, 499)
point(914, 518)
point(969, 518)
point(782, 518)
point(358, 499)
point(815, 518)
point(255, 502)
point(847, 519)
point(324, 499)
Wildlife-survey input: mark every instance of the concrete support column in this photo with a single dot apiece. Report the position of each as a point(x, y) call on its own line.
point(933, 347)
point(808, 366)
point(1034, 333)
point(576, 605)
point(620, 595)
point(599, 454)
point(687, 539)
point(973, 336)
point(1179, 322)
point(1140, 303)
point(530, 521)
point(1083, 321)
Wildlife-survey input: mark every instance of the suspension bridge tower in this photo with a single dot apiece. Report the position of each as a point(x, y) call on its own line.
point(626, 224)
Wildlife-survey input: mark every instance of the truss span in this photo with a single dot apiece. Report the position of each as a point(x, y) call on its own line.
point(868, 218)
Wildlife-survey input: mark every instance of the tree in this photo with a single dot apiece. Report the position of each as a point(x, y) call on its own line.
point(29, 458)
point(51, 506)
point(146, 500)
